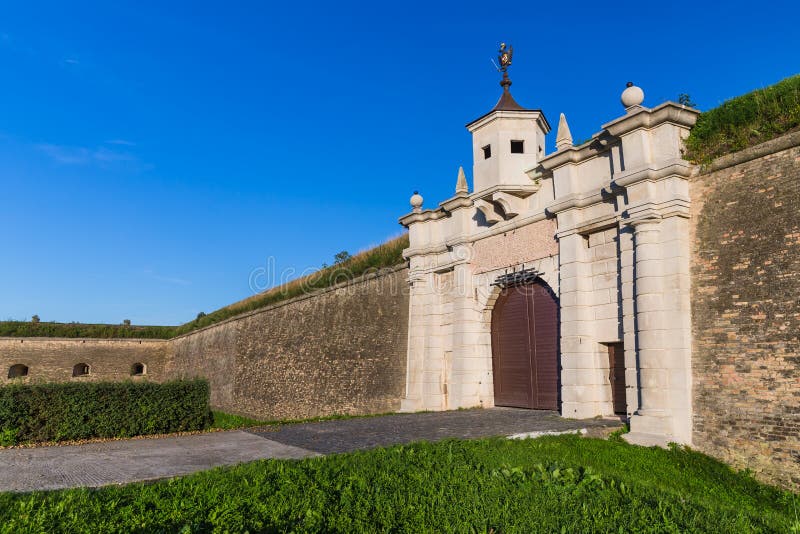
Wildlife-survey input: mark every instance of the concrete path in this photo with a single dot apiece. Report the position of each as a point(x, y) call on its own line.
point(347, 435)
point(120, 462)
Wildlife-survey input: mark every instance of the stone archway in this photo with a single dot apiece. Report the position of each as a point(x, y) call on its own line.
point(525, 347)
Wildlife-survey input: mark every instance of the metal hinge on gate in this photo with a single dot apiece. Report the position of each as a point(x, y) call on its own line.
point(517, 278)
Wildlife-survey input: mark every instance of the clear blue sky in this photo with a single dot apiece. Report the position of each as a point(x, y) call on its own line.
point(152, 154)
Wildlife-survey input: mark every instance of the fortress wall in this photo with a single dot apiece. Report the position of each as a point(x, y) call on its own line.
point(746, 309)
point(335, 351)
point(52, 359)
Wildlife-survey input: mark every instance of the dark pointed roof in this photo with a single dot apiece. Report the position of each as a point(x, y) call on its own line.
point(507, 103)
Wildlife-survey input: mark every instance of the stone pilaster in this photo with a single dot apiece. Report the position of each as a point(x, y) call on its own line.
point(583, 382)
point(661, 296)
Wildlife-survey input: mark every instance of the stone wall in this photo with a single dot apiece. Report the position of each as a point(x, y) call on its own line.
point(53, 359)
point(336, 351)
point(746, 310)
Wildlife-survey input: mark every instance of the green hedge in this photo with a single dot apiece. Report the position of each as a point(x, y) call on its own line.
point(82, 410)
point(745, 121)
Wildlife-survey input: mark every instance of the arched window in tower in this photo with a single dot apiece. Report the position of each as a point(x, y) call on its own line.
point(138, 369)
point(17, 371)
point(80, 369)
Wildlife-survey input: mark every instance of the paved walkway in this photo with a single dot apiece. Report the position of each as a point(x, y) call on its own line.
point(120, 462)
point(347, 435)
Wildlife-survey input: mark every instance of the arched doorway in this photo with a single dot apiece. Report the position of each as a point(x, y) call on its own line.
point(525, 347)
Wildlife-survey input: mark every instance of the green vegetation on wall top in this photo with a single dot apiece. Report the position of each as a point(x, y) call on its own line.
point(80, 330)
point(347, 268)
point(386, 255)
point(745, 121)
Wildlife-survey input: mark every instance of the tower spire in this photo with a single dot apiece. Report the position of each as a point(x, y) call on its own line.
point(564, 136)
point(461, 183)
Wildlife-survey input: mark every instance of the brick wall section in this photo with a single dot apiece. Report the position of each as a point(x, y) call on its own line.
point(515, 247)
point(52, 359)
point(746, 310)
point(338, 351)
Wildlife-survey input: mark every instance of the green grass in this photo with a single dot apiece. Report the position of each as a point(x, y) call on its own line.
point(551, 484)
point(227, 421)
point(745, 121)
point(389, 254)
point(386, 255)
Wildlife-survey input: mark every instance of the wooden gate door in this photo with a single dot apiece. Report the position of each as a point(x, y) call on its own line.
point(525, 348)
point(616, 375)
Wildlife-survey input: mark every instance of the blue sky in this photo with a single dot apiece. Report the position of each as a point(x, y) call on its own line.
point(153, 154)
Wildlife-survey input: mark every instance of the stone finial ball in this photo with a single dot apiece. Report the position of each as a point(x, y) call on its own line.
point(416, 200)
point(632, 96)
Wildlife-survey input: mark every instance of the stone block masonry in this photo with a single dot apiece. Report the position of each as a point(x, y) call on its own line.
point(336, 351)
point(53, 359)
point(746, 310)
point(340, 350)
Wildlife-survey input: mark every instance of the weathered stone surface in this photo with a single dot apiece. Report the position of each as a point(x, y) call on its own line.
point(338, 351)
point(52, 359)
point(746, 313)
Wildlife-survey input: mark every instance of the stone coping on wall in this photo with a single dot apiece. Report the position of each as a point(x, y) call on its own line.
point(22, 339)
point(384, 271)
point(784, 142)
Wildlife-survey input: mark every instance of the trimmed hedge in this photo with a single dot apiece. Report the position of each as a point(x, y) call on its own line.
point(745, 121)
point(82, 410)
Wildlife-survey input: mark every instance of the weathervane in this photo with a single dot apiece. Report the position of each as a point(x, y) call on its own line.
point(504, 58)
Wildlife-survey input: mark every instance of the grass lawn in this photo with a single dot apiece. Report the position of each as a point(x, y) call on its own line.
point(227, 421)
point(551, 484)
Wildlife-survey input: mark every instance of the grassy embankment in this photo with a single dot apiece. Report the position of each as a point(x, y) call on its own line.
point(552, 484)
point(386, 255)
point(745, 121)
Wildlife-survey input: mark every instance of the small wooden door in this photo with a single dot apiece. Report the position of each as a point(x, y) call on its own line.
point(616, 375)
point(525, 348)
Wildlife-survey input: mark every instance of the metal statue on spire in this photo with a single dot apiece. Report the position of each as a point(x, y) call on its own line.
point(504, 57)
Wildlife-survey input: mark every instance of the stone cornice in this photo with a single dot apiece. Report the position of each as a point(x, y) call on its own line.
point(648, 118)
point(574, 200)
point(462, 200)
point(655, 211)
point(574, 154)
point(644, 118)
point(673, 167)
point(535, 114)
point(463, 239)
point(426, 215)
point(521, 191)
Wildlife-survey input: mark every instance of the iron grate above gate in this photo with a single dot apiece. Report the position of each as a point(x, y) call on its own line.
point(517, 278)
